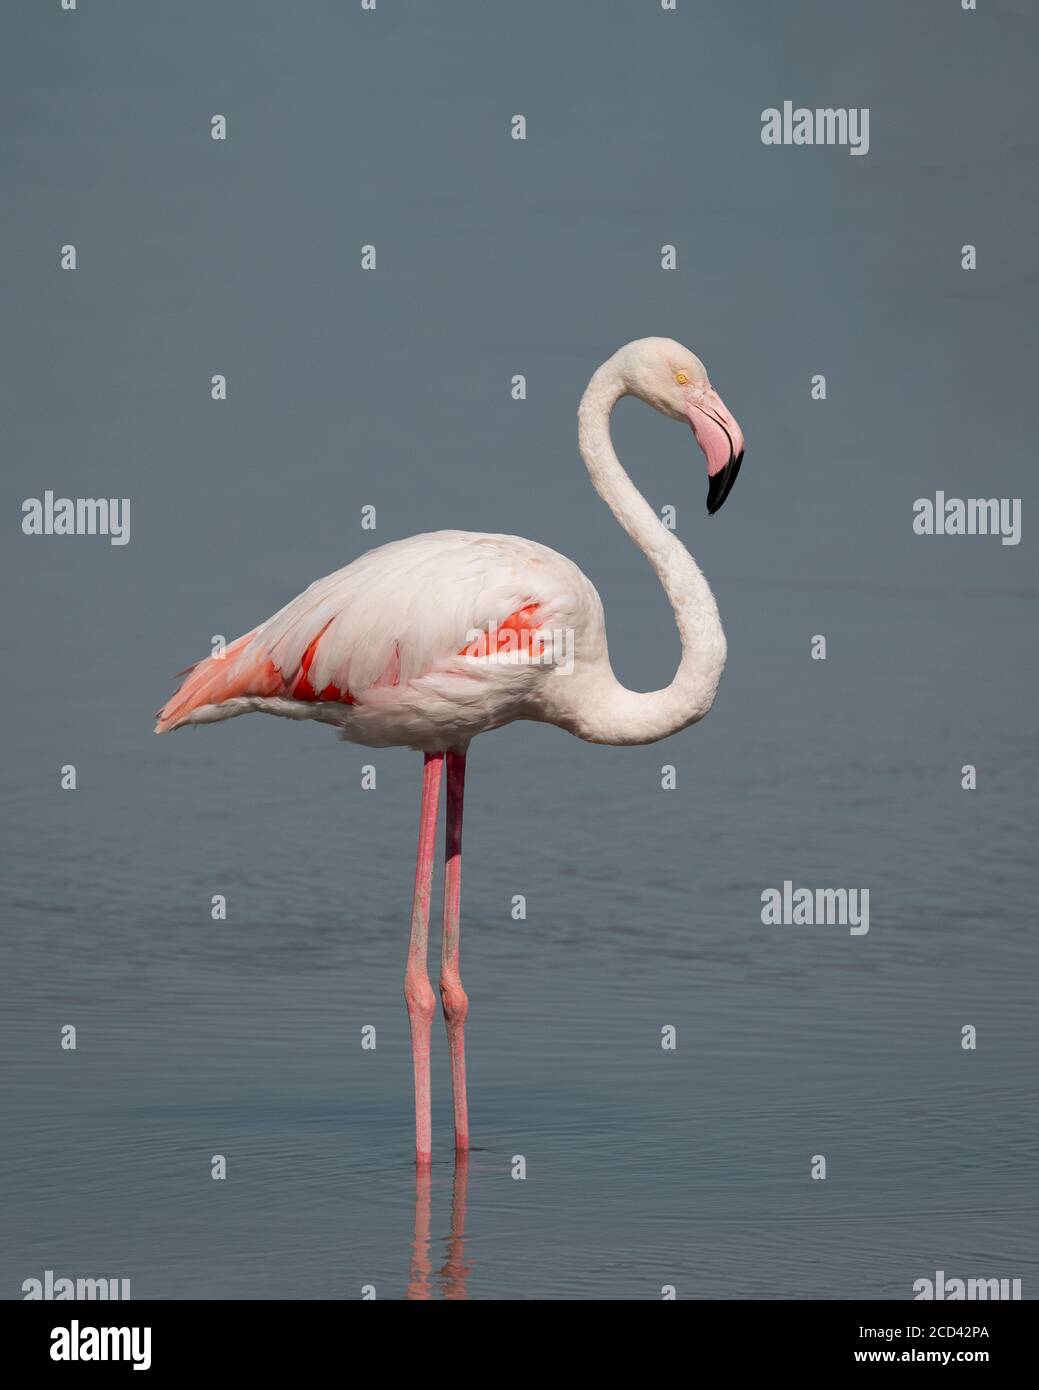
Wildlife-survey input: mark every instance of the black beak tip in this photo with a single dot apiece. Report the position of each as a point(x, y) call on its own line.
point(719, 487)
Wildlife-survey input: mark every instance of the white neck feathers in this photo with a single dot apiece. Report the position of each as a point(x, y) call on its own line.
point(610, 713)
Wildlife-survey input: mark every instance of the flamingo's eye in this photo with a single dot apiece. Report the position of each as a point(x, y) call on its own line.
point(682, 378)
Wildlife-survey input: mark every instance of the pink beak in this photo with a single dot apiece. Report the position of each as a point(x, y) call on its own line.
point(721, 439)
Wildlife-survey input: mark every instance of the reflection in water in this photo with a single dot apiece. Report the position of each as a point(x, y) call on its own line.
point(454, 1271)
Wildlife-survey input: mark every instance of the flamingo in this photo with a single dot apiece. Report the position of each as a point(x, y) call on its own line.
point(428, 641)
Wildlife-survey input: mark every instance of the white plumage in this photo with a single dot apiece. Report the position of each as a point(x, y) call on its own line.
point(392, 626)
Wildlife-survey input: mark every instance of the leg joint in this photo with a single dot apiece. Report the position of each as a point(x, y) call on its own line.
point(454, 999)
point(418, 994)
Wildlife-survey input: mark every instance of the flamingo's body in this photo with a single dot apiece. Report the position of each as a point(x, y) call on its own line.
point(389, 649)
point(429, 641)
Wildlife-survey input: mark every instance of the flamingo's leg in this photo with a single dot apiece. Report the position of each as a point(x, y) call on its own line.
point(453, 996)
point(417, 990)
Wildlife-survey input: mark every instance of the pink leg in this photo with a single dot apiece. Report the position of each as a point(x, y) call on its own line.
point(417, 990)
point(453, 996)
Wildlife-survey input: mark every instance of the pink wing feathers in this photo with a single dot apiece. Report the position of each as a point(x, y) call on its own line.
point(393, 615)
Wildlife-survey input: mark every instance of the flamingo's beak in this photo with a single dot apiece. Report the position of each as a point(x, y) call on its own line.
point(721, 439)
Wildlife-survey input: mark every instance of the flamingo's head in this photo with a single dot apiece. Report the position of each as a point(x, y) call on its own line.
point(674, 381)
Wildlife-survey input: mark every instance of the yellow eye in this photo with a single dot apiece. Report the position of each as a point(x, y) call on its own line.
point(682, 378)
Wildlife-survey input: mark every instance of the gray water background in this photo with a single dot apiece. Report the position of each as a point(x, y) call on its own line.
point(644, 1167)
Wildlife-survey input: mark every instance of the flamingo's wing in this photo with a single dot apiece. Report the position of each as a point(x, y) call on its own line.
point(395, 614)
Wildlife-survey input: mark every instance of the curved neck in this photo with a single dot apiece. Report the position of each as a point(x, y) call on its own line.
point(618, 715)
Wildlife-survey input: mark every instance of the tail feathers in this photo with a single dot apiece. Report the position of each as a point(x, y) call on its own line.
point(216, 679)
